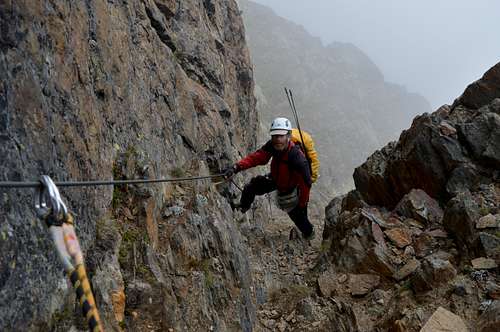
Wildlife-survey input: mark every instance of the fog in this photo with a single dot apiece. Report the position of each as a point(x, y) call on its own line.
point(432, 47)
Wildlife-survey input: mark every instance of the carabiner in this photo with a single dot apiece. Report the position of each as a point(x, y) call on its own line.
point(51, 209)
point(48, 202)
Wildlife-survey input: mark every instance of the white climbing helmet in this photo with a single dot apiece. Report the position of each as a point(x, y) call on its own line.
point(280, 126)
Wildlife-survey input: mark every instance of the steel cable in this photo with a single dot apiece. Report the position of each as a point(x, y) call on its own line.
point(34, 184)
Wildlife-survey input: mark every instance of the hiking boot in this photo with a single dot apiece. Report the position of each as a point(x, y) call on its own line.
point(238, 207)
point(311, 236)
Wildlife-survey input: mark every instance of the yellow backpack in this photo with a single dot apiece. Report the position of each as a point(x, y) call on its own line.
point(308, 148)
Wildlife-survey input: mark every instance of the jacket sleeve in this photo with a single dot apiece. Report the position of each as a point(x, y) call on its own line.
point(259, 157)
point(299, 164)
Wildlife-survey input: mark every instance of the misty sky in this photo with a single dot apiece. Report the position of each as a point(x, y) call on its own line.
point(433, 47)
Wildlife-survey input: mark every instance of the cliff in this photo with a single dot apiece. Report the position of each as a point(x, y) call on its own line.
point(110, 89)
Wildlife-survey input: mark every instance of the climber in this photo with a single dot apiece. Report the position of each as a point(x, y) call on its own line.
point(290, 176)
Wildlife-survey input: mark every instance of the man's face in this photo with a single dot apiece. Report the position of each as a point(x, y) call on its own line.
point(280, 142)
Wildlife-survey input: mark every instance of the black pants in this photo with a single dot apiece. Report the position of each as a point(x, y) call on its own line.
point(261, 185)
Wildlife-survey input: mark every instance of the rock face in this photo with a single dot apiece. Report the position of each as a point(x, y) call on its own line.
point(440, 164)
point(112, 89)
point(340, 94)
point(423, 217)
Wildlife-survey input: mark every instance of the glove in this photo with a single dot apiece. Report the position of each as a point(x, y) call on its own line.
point(228, 172)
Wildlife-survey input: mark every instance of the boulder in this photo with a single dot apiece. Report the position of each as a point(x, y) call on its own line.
point(407, 269)
point(465, 177)
point(353, 200)
point(443, 320)
point(439, 233)
point(433, 272)
point(328, 283)
point(443, 153)
point(378, 261)
point(370, 178)
point(483, 263)
point(420, 206)
point(422, 158)
point(460, 218)
point(442, 270)
point(482, 137)
point(401, 237)
point(332, 212)
point(377, 234)
point(424, 245)
point(488, 221)
point(362, 284)
point(490, 245)
point(482, 91)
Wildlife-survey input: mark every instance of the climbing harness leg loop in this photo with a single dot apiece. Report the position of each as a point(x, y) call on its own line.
point(287, 202)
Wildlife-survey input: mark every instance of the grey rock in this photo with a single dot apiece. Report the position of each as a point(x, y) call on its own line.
point(362, 284)
point(483, 263)
point(482, 136)
point(459, 219)
point(442, 270)
point(432, 273)
point(488, 221)
point(489, 321)
point(327, 283)
point(493, 290)
point(465, 177)
point(332, 211)
point(409, 251)
point(447, 129)
point(407, 269)
point(379, 261)
point(490, 245)
point(420, 206)
point(483, 91)
point(305, 308)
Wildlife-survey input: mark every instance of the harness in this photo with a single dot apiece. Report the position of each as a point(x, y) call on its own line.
point(287, 202)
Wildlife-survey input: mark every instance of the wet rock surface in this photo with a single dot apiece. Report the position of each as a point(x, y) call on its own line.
point(125, 89)
point(424, 157)
point(425, 221)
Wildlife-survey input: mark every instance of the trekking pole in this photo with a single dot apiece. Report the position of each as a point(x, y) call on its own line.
point(289, 96)
point(51, 209)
